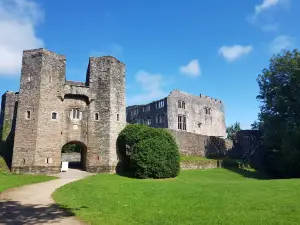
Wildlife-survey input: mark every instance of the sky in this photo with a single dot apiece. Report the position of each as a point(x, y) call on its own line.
point(215, 48)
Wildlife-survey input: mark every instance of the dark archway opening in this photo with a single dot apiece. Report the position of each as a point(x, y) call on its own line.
point(74, 153)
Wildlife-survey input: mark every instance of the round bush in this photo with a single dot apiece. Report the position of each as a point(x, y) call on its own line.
point(148, 152)
point(155, 157)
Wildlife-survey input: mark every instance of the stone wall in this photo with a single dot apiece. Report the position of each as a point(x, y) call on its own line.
point(197, 120)
point(198, 166)
point(201, 145)
point(49, 99)
point(71, 157)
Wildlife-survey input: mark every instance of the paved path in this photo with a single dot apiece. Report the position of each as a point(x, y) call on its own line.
point(33, 204)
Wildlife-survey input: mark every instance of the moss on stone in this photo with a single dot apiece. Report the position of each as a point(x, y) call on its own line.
point(7, 125)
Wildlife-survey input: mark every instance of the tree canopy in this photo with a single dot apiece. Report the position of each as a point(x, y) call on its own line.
point(232, 130)
point(279, 117)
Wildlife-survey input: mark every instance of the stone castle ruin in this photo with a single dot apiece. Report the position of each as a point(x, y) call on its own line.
point(49, 112)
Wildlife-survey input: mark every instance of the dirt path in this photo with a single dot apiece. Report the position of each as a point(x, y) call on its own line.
point(33, 204)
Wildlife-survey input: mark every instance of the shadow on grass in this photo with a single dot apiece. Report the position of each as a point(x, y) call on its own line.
point(249, 174)
point(13, 212)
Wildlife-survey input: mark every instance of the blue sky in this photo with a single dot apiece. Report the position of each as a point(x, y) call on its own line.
point(214, 47)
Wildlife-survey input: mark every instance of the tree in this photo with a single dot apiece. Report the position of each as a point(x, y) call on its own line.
point(232, 130)
point(279, 117)
point(255, 125)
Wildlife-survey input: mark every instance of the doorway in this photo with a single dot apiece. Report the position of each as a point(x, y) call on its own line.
point(75, 153)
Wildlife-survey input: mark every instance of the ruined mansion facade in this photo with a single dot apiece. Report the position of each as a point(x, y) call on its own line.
point(49, 112)
point(182, 112)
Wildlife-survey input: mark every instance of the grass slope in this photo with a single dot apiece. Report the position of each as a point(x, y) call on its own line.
point(9, 180)
point(216, 196)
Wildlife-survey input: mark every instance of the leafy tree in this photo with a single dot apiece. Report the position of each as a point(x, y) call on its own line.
point(279, 117)
point(255, 125)
point(232, 130)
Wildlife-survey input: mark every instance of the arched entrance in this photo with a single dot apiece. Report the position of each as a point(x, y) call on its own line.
point(75, 153)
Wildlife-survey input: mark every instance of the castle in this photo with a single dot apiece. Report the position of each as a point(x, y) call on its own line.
point(180, 111)
point(49, 112)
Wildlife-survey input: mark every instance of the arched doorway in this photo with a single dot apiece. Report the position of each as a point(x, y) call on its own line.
point(74, 152)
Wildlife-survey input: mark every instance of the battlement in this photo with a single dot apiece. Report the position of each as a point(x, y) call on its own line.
point(201, 96)
point(210, 99)
point(106, 58)
point(43, 51)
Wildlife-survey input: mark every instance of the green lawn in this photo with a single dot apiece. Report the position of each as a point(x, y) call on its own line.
point(215, 196)
point(9, 180)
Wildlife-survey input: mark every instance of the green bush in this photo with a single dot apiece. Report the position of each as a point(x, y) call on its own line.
point(148, 152)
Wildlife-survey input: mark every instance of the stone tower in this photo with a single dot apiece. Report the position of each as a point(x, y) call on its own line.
point(52, 112)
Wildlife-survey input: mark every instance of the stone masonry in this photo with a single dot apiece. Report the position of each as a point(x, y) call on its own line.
point(50, 112)
point(183, 112)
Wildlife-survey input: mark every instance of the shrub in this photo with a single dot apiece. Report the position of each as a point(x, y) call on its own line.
point(148, 152)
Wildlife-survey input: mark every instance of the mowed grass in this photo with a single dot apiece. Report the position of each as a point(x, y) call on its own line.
point(215, 196)
point(9, 180)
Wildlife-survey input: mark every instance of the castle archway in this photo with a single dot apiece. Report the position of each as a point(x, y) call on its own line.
point(74, 152)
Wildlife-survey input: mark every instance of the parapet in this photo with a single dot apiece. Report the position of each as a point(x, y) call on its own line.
point(43, 51)
point(201, 96)
point(106, 58)
point(210, 99)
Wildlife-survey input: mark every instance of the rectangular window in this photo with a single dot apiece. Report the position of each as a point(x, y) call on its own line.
point(149, 121)
point(184, 123)
point(183, 105)
point(179, 104)
point(181, 122)
point(118, 117)
point(97, 116)
point(28, 115)
point(54, 116)
point(207, 111)
point(75, 114)
point(160, 104)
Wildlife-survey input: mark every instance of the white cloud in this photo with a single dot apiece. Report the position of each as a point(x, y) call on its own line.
point(262, 15)
point(192, 69)
point(280, 43)
point(232, 53)
point(18, 20)
point(151, 86)
point(266, 4)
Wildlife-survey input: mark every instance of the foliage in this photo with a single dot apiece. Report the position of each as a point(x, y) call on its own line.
point(279, 117)
point(148, 152)
point(6, 129)
point(155, 157)
point(232, 130)
point(68, 148)
point(255, 125)
point(214, 196)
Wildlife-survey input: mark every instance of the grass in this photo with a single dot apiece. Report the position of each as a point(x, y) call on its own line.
point(195, 159)
point(215, 196)
point(10, 180)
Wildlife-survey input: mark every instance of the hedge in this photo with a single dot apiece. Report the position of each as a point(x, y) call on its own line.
point(148, 152)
